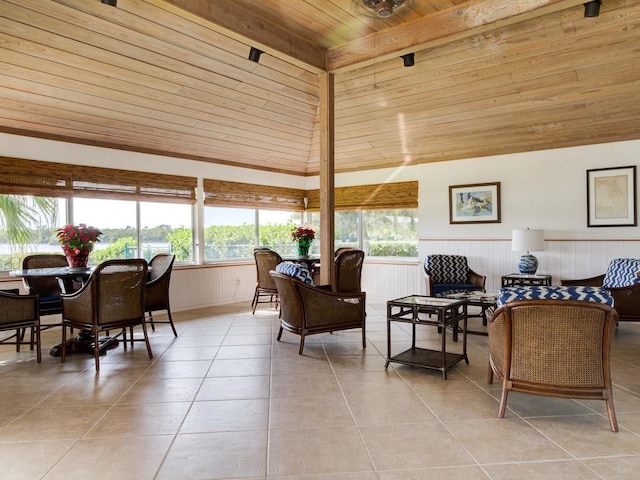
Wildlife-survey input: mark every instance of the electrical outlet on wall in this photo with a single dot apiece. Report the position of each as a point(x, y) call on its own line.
point(237, 282)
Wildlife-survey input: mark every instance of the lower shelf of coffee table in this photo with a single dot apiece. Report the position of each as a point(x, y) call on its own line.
point(426, 358)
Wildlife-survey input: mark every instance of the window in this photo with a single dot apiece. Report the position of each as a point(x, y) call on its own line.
point(231, 233)
point(166, 228)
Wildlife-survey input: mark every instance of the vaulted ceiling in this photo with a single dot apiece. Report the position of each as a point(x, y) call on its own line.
point(172, 77)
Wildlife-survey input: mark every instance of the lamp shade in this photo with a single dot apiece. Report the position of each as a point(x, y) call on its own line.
point(526, 240)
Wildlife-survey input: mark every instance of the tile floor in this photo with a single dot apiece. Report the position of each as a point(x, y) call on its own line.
point(225, 400)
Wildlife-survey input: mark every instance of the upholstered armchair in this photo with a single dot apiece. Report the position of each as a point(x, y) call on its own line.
point(446, 274)
point(348, 270)
point(622, 280)
point(307, 310)
point(553, 346)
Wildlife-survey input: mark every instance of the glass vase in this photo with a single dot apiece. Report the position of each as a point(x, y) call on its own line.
point(303, 248)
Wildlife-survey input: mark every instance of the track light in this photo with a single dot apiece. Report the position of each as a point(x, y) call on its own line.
point(592, 9)
point(113, 3)
point(254, 54)
point(408, 59)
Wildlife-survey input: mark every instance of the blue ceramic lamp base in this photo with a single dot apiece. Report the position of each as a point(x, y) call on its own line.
point(528, 265)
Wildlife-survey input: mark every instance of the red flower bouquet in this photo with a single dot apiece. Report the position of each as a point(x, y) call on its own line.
point(77, 242)
point(304, 234)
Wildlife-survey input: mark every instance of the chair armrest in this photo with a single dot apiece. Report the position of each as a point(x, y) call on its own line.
point(78, 305)
point(584, 282)
point(477, 279)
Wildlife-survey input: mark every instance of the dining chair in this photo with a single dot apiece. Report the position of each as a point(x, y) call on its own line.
point(19, 312)
point(266, 260)
point(348, 270)
point(157, 289)
point(47, 288)
point(112, 299)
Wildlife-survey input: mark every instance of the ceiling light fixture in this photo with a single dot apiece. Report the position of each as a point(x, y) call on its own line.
point(383, 9)
point(592, 9)
point(254, 54)
point(113, 3)
point(408, 59)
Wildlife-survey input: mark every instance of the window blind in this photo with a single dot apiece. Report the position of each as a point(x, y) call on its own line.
point(237, 194)
point(383, 196)
point(50, 179)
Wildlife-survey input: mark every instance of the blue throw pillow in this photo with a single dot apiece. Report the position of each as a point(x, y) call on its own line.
point(622, 272)
point(592, 294)
point(295, 270)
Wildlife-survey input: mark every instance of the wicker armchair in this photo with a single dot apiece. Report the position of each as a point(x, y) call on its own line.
point(266, 260)
point(112, 299)
point(556, 348)
point(624, 288)
point(47, 287)
point(157, 289)
point(19, 312)
point(348, 270)
point(307, 310)
point(447, 274)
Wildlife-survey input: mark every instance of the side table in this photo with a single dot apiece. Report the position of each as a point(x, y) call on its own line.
point(447, 312)
point(518, 280)
point(486, 302)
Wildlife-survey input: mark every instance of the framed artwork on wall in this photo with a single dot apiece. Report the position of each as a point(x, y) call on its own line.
point(476, 203)
point(611, 197)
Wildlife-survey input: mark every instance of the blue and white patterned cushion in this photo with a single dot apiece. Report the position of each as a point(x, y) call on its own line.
point(622, 272)
point(447, 269)
point(295, 270)
point(592, 294)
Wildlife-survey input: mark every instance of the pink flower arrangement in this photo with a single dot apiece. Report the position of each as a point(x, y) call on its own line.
point(77, 239)
point(305, 234)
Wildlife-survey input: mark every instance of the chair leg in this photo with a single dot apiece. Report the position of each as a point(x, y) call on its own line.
point(503, 402)
point(254, 302)
point(279, 334)
point(96, 350)
point(153, 326)
point(301, 344)
point(175, 334)
point(612, 414)
point(38, 343)
point(146, 339)
point(63, 350)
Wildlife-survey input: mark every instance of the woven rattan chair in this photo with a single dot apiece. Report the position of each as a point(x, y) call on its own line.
point(624, 288)
point(157, 289)
point(307, 310)
point(266, 260)
point(47, 287)
point(20, 312)
point(447, 274)
point(348, 270)
point(112, 299)
point(556, 348)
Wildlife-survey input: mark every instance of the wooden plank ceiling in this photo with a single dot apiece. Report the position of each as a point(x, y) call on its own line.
point(172, 77)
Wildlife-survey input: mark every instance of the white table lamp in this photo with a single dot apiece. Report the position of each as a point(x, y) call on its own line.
point(527, 240)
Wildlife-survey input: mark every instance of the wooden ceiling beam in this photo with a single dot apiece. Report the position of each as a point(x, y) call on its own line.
point(263, 33)
point(463, 21)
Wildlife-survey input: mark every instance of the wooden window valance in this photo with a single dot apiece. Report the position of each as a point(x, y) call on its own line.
point(221, 193)
point(383, 196)
point(50, 179)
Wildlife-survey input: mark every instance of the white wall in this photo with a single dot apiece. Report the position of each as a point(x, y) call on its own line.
point(545, 189)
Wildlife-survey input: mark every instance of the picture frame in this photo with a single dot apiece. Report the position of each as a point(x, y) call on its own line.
point(611, 197)
point(474, 203)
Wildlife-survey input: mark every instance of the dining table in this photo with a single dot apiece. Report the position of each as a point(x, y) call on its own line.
point(309, 260)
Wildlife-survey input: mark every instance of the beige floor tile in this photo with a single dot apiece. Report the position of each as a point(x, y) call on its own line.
point(179, 369)
point(240, 367)
point(302, 364)
point(301, 385)
point(439, 473)
point(411, 446)
point(317, 451)
point(511, 440)
point(169, 390)
point(309, 412)
point(384, 381)
point(244, 351)
point(372, 361)
point(189, 353)
point(199, 341)
point(389, 408)
point(233, 388)
point(221, 455)
point(227, 415)
point(469, 405)
point(616, 467)
point(108, 458)
point(31, 460)
point(53, 423)
point(567, 470)
point(141, 419)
